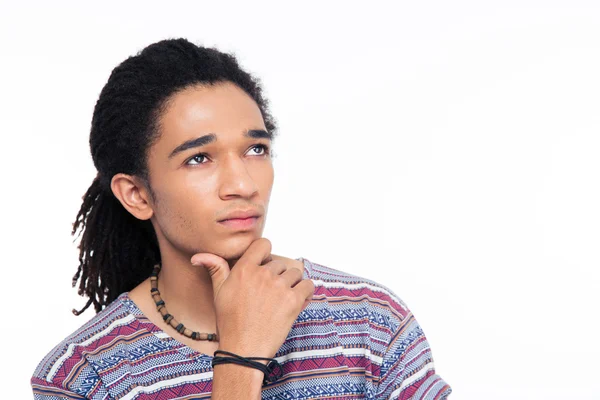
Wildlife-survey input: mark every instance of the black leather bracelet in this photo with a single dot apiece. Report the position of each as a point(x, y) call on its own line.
point(273, 370)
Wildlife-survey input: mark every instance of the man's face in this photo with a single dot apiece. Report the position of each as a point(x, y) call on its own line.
point(193, 191)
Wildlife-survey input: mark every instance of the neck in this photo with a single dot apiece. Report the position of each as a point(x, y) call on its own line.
point(188, 294)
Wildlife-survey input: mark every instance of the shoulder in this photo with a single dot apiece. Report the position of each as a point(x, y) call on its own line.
point(400, 355)
point(352, 293)
point(65, 366)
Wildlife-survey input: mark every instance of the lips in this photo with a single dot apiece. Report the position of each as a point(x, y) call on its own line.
point(240, 223)
point(241, 215)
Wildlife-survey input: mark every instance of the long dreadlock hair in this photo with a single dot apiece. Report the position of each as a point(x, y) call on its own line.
point(117, 250)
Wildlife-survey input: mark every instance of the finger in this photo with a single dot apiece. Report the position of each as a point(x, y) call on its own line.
point(267, 260)
point(306, 288)
point(257, 253)
point(217, 268)
point(278, 267)
point(292, 276)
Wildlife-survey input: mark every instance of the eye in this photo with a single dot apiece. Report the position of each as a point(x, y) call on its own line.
point(195, 157)
point(203, 155)
point(264, 147)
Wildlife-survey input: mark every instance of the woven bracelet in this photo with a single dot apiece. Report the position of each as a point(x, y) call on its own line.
point(268, 369)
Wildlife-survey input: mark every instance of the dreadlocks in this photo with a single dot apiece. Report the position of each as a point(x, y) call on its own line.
point(117, 250)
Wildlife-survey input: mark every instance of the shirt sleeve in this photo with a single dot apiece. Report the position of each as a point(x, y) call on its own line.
point(407, 370)
point(67, 377)
point(43, 390)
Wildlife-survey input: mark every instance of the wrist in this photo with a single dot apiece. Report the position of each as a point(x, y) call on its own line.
point(241, 352)
point(232, 368)
point(270, 368)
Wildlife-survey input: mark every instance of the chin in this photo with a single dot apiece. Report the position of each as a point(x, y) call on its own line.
point(234, 248)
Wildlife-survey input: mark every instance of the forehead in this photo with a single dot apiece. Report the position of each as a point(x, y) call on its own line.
point(223, 109)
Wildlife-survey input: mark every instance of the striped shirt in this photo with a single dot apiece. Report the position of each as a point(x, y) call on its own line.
point(356, 339)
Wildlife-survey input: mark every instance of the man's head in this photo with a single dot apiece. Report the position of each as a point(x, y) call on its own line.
point(157, 190)
point(196, 185)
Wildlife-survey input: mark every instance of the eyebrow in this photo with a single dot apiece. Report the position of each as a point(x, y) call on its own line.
point(211, 137)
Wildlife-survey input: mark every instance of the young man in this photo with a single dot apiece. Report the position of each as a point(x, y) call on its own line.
point(174, 261)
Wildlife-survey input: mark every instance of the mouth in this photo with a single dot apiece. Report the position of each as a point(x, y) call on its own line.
point(240, 223)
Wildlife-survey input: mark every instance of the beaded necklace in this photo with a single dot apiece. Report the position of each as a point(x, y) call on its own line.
point(168, 318)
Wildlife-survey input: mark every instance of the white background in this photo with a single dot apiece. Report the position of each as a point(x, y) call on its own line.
point(449, 150)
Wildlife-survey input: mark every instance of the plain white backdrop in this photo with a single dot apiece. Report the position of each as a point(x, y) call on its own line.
point(449, 150)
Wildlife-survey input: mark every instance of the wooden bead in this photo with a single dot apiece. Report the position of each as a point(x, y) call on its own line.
point(168, 318)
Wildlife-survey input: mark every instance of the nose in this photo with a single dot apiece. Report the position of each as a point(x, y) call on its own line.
point(235, 179)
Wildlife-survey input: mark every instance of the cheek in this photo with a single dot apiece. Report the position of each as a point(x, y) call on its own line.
point(184, 217)
point(264, 177)
point(193, 216)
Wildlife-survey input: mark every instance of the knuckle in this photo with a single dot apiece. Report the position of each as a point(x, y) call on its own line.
point(241, 272)
point(280, 282)
point(293, 272)
point(265, 273)
point(291, 297)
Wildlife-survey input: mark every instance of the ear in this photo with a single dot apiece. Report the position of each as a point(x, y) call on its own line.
point(133, 195)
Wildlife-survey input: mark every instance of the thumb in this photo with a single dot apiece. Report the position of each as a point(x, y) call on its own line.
point(217, 267)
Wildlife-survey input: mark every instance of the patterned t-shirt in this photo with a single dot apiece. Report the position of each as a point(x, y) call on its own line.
point(355, 340)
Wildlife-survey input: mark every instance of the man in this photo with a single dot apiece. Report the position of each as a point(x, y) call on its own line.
point(174, 261)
